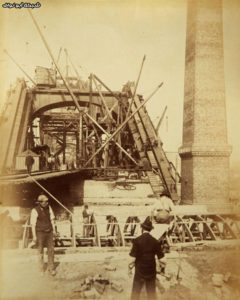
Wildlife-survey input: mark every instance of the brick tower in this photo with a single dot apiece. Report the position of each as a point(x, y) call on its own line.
point(205, 151)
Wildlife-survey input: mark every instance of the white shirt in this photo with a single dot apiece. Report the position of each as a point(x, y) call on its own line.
point(103, 137)
point(34, 216)
point(164, 203)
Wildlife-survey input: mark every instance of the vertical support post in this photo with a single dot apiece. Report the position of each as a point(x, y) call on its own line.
point(84, 144)
point(93, 151)
point(73, 234)
point(77, 149)
point(81, 137)
point(119, 139)
point(64, 147)
point(176, 173)
point(67, 66)
point(90, 94)
point(118, 116)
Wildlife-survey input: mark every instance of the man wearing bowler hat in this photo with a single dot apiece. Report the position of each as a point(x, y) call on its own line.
point(144, 249)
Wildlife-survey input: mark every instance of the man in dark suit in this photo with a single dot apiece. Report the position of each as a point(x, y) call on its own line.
point(144, 249)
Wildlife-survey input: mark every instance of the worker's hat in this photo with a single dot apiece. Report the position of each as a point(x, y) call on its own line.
point(42, 198)
point(147, 224)
point(164, 193)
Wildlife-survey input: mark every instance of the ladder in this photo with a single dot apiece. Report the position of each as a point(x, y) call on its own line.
point(155, 182)
point(144, 133)
point(154, 179)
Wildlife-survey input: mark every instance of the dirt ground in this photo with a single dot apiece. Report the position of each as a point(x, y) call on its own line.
point(21, 280)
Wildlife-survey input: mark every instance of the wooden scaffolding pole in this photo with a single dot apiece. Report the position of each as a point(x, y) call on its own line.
point(122, 126)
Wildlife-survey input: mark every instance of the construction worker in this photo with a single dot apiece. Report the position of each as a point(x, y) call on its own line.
point(162, 209)
point(43, 229)
point(29, 161)
point(146, 164)
point(51, 162)
point(143, 252)
point(86, 220)
point(42, 161)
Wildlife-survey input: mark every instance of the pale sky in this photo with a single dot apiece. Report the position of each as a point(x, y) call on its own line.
point(110, 38)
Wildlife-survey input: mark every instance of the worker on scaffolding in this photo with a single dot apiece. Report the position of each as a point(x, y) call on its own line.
point(163, 208)
point(29, 161)
point(51, 162)
point(43, 228)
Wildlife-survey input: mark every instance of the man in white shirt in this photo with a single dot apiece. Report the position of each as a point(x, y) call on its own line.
point(162, 208)
point(42, 221)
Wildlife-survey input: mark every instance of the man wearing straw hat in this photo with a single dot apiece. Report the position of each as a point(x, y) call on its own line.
point(144, 249)
point(42, 221)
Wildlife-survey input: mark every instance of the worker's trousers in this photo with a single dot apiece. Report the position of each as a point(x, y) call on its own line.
point(139, 282)
point(45, 239)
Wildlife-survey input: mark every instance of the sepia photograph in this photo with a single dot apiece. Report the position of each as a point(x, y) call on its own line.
point(120, 150)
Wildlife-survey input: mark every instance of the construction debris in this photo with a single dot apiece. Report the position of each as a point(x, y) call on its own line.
point(110, 268)
point(217, 280)
point(93, 287)
point(226, 277)
point(76, 276)
point(116, 286)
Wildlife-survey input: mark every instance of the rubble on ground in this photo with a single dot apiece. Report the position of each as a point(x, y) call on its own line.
point(208, 275)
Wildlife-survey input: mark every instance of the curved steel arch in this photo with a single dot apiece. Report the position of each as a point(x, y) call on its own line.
point(44, 100)
point(40, 111)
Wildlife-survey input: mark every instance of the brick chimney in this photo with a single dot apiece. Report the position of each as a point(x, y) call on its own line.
point(205, 151)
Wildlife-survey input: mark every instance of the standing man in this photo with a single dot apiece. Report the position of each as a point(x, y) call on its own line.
point(86, 220)
point(143, 252)
point(42, 161)
point(29, 161)
point(42, 221)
